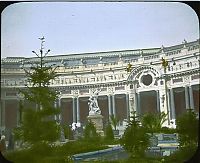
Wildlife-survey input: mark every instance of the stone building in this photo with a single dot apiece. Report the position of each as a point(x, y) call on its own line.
point(146, 88)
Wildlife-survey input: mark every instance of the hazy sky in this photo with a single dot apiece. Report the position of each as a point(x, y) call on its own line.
point(81, 27)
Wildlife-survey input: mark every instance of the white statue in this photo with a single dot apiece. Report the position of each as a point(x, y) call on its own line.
point(93, 104)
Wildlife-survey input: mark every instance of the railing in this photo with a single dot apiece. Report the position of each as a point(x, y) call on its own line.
point(183, 66)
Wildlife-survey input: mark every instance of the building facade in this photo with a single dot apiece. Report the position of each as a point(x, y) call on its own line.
point(146, 88)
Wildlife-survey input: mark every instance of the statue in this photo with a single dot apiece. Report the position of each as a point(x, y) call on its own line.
point(93, 104)
point(95, 113)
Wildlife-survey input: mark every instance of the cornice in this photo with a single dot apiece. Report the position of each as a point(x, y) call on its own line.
point(108, 54)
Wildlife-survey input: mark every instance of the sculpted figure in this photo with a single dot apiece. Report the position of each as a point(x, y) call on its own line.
point(93, 104)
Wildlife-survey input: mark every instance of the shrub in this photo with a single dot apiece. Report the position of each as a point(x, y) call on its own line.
point(90, 134)
point(109, 135)
point(135, 139)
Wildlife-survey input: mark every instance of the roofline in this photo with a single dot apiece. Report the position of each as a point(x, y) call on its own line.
point(92, 54)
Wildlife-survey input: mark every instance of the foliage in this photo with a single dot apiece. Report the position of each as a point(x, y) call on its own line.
point(109, 135)
point(167, 130)
point(181, 155)
point(52, 154)
point(142, 160)
point(187, 128)
point(114, 121)
point(135, 139)
point(153, 122)
point(68, 132)
point(34, 128)
point(38, 124)
point(90, 133)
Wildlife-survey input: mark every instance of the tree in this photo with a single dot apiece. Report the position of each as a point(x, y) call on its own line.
point(187, 128)
point(90, 133)
point(153, 122)
point(38, 125)
point(114, 121)
point(109, 135)
point(135, 140)
point(68, 131)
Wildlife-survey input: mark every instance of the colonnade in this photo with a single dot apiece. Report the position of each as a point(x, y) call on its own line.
point(111, 106)
point(135, 101)
point(132, 100)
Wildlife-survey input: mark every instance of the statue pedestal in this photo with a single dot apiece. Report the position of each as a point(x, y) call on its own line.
point(97, 120)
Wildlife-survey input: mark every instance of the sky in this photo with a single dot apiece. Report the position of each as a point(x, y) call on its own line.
point(86, 27)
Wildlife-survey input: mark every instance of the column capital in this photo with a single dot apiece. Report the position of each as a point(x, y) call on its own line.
point(76, 96)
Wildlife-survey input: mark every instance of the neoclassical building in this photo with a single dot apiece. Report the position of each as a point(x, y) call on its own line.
point(146, 88)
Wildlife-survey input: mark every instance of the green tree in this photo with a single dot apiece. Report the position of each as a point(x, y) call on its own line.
point(90, 133)
point(114, 121)
point(109, 135)
point(153, 122)
point(187, 128)
point(68, 131)
point(38, 125)
point(135, 139)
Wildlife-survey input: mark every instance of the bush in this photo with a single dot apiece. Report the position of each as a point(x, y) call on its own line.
point(43, 153)
point(90, 134)
point(33, 154)
point(109, 135)
point(135, 139)
point(181, 155)
point(187, 128)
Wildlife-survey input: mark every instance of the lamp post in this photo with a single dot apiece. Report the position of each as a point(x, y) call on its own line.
point(165, 64)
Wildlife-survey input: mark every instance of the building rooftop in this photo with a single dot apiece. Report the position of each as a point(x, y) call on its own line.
point(98, 57)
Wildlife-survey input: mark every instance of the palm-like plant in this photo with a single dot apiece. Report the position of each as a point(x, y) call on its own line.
point(114, 121)
point(153, 122)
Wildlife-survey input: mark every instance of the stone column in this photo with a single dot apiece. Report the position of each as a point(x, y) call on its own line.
point(131, 103)
point(127, 106)
point(169, 105)
point(59, 106)
point(158, 101)
point(21, 106)
point(55, 106)
point(163, 105)
point(109, 106)
point(78, 110)
point(113, 105)
point(191, 98)
point(138, 109)
point(18, 112)
point(172, 106)
point(186, 98)
point(3, 113)
point(135, 105)
point(74, 110)
point(1, 108)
